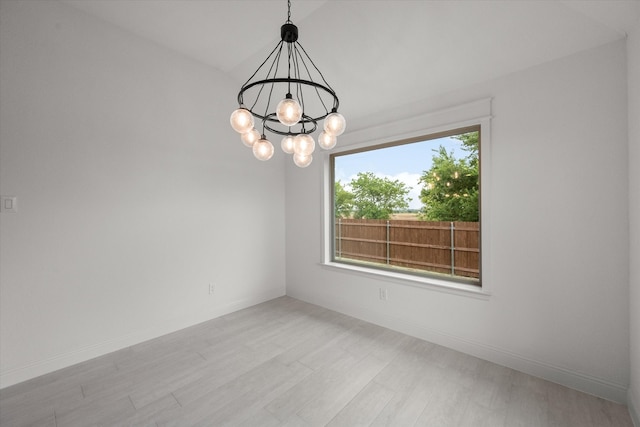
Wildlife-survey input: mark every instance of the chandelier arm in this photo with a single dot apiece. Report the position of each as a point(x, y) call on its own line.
point(299, 91)
point(335, 106)
point(276, 62)
point(310, 77)
point(256, 100)
point(263, 62)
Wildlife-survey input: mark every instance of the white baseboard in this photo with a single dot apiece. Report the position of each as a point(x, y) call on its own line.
point(575, 380)
point(633, 409)
point(37, 368)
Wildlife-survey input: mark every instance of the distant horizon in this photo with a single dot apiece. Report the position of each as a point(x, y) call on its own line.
point(405, 163)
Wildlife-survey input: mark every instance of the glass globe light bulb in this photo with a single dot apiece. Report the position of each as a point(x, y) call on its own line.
point(335, 124)
point(287, 144)
point(303, 144)
point(263, 149)
point(327, 141)
point(289, 111)
point(250, 138)
point(241, 120)
point(302, 161)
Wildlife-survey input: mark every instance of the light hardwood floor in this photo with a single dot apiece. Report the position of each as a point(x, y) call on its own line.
point(289, 363)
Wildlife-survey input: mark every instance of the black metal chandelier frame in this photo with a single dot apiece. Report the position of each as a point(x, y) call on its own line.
point(295, 80)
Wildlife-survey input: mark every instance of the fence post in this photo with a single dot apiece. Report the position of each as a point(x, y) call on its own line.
point(339, 237)
point(453, 250)
point(388, 254)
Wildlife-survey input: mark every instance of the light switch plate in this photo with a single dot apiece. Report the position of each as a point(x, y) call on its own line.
point(8, 204)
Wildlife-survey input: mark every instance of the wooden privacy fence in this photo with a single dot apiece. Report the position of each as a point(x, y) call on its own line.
point(442, 247)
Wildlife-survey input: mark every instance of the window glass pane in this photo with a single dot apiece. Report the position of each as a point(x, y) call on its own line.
point(413, 207)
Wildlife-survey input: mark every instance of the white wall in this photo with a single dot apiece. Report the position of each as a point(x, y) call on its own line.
point(558, 265)
point(633, 51)
point(133, 193)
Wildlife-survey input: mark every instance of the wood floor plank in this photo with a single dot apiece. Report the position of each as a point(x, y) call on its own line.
point(364, 408)
point(309, 344)
point(31, 406)
point(325, 354)
point(288, 403)
point(327, 404)
point(258, 394)
point(408, 367)
point(221, 374)
point(490, 396)
point(289, 363)
point(151, 390)
point(447, 404)
point(295, 421)
point(527, 408)
point(404, 408)
point(37, 417)
point(262, 418)
point(143, 416)
point(477, 415)
point(96, 412)
point(615, 414)
point(568, 407)
point(240, 398)
point(413, 379)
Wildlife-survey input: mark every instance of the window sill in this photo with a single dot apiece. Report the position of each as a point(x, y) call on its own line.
point(429, 283)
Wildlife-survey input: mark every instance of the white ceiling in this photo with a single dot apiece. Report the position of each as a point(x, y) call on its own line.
point(378, 54)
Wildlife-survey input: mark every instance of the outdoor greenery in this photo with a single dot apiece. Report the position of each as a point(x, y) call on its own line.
point(371, 197)
point(343, 201)
point(451, 186)
point(450, 192)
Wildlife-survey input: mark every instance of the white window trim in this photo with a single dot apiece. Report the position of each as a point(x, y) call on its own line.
point(470, 114)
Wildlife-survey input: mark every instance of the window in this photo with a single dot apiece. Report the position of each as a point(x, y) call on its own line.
point(410, 206)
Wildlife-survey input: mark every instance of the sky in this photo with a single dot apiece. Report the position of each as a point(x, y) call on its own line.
point(405, 163)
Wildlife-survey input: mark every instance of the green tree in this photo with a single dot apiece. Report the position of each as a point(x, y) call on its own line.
point(343, 202)
point(451, 186)
point(376, 198)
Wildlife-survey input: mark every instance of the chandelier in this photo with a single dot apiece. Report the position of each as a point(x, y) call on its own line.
point(288, 96)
